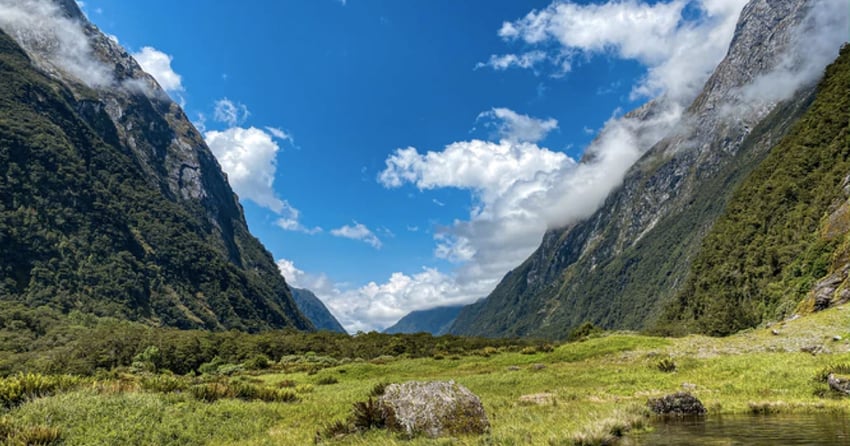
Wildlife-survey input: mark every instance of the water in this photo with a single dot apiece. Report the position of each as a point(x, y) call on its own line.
point(764, 430)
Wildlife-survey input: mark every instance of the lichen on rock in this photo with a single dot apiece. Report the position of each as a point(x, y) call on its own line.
point(434, 409)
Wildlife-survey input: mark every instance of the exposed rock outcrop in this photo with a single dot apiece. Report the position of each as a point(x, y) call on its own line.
point(433, 409)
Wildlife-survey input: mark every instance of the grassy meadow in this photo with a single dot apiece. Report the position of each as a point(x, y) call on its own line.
point(578, 393)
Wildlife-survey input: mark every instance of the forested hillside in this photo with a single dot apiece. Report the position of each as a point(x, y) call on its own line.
point(786, 227)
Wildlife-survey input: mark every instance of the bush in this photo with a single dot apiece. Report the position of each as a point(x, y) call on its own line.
point(666, 365)
point(368, 415)
point(378, 389)
point(258, 362)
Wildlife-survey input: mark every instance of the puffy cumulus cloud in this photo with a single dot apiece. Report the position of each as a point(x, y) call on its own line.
point(513, 126)
point(229, 112)
point(487, 168)
point(248, 156)
point(376, 306)
point(158, 64)
point(679, 50)
point(41, 28)
point(358, 231)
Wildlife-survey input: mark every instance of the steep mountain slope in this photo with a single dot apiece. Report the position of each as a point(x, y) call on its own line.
point(621, 265)
point(110, 201)
point(436, 321)
point(316, 311)
point(785, 228)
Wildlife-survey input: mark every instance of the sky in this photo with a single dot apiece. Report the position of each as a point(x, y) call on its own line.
point(397, 156)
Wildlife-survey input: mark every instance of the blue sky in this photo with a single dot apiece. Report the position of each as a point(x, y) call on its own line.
point(324, 112)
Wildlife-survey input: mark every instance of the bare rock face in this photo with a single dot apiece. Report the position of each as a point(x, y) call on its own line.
point(677, 404)
point(434, 409)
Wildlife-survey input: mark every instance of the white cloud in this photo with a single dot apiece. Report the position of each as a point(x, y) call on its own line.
point(376, 306)
point(158, 64)
point(513, 126)
point(54, 40)
point(248, 156)
point(678, 51)
point(358, 231)
point(291, 223)
point(230, 113)
point(505, 61)
point(280, 134)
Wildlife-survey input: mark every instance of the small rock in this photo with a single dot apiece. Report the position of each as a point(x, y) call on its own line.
point(538, 367)
point(836, 338)
point(774, 332)
point(813, 349)
point(513, 368)
point(838, 383)
point(434, 409)
point(540, 399)
point(678, 404)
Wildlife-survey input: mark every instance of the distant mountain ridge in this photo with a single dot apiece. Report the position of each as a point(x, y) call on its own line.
point(436, 321)
point(110, 201)
point(623, 265)
point(316, 311)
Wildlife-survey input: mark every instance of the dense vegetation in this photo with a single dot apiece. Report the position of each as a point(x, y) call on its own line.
point(43, 340)
point(83, 227)
point(784, 228)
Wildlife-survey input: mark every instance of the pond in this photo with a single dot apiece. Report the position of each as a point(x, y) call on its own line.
point(751, 430)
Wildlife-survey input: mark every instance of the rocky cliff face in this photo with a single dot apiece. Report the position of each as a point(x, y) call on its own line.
point(619, 266)
point(103, 93)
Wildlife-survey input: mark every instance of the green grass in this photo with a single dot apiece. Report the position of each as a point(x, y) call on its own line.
point(599, 388)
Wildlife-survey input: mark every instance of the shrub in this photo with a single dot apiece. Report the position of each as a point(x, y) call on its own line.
point(368, 415)
point(666, 365)
point(258, 362)
point(378, 389)
point(334, 431)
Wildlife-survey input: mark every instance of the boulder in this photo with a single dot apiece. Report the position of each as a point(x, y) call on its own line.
point(678, 404)
point(839, 383)
point(435, 409)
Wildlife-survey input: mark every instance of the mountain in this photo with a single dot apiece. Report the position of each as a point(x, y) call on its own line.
point(784, 237)
point(436, 321)
point(316, 311)
point(623, 265)
point(110, 201)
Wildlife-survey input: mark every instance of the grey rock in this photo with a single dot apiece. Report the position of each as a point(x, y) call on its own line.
point(434, 409)
point(839, 383)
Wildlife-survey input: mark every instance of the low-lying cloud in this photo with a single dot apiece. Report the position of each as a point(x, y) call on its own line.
point(41, 28)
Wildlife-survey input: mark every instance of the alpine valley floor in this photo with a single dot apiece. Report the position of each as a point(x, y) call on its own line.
point(597, 390)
